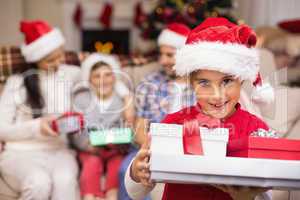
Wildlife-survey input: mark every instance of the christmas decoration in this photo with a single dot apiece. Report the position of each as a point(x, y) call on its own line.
point(40, 39)
point(139, 16)
point(77, 16)
point(106, 14)
point(190, 12)
point(104, 48)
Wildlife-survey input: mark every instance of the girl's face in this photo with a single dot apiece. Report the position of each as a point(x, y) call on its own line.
point(52, 61)
point(217, 93)
point(103, 79)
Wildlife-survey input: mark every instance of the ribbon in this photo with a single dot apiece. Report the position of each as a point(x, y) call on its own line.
point(192, 142)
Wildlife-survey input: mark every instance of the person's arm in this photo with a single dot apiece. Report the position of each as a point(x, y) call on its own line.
point(11, 131)
point(143, 93)
point(141, 130)
point(137, 178)
point(134, 189)
point(129, 111)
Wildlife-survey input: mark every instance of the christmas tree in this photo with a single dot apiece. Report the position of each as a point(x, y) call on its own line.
point(190, 12)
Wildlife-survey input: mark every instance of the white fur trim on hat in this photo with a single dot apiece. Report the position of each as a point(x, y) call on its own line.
point(94, 58)
point(170, 38)
point(235, 59)
point(44, 45)
point(263, 93)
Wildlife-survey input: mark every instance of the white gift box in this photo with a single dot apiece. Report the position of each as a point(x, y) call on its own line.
point(169, 138)
point(170, 164)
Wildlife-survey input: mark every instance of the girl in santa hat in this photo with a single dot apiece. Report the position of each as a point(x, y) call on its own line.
point(218, 57)
point(103, 109)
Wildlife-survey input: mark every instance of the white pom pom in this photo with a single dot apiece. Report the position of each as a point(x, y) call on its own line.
point(263, 94)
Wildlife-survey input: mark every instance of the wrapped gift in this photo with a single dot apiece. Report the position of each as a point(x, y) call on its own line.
point(169, 163)
point(179, 139)
point(194, 169)
point(69, 122)
point(110, 136)
point(261, 147)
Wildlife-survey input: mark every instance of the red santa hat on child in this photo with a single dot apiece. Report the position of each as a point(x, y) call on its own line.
point(40, 40)
point(174, 35)
point(217, 44)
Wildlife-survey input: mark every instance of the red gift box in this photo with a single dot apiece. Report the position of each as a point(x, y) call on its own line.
point(260, 147)
point(69, 122)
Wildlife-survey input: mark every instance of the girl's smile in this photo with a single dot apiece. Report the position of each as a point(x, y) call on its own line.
point(217, 93)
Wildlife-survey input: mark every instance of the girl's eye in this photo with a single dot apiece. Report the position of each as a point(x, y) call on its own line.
point(227, 81)
point(203, 83)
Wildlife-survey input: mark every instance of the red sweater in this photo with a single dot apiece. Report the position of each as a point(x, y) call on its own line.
point(240, 124)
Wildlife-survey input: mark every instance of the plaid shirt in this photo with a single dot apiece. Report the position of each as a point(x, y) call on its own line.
point(154, 95)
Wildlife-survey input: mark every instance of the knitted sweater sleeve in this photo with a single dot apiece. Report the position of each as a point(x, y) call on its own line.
point(9, 130)
point(135, 190)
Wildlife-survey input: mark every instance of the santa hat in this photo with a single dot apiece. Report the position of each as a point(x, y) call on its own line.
point(174, 35)
point(112, 61)
point(94, 58)
point(217, 44)
point(40, 40)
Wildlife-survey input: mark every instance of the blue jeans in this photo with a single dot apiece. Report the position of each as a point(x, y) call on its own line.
point(123, 195)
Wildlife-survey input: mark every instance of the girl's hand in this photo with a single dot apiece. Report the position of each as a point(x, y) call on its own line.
point(93, 150)
point(45, 127)
point(241, 192)
point(140, 168)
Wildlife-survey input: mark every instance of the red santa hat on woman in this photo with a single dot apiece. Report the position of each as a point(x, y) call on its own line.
point(174, 35)
point(217, 44)
point(40, 40)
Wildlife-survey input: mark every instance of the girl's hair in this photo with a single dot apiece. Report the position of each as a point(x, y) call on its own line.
point(99, 64)
point(34, 98)
point(192, 76)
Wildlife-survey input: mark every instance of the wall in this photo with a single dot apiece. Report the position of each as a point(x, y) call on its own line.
point(11, 12)
point(48, 10)
point(267, 12)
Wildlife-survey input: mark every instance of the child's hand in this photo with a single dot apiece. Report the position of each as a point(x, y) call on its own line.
point(140, 168)
point(240, 192)
point(45, 127)
point(93, 150)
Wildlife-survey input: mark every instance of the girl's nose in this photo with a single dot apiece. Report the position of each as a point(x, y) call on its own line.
point(218, 93)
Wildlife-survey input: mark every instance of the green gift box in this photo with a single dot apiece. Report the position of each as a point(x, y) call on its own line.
point(110, 136)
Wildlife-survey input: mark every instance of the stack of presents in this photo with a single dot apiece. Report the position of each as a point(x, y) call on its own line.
point(207, 157)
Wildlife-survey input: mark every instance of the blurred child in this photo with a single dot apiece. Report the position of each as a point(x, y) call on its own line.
point(103, 108)
point(218, 57)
